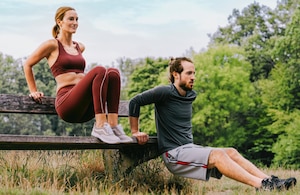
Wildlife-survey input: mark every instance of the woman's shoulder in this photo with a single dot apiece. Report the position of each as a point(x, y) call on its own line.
point(45, 49)
point(50, 44)
point(81, 46)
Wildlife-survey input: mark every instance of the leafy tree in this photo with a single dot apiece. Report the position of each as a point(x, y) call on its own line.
point(127, 67)
point(287, 55)
point(251, 29)
point(10, 71)
point(243, 25)
point(255, 28)
point(287, 146)
point(223, 110)
point(44, 79)
point(281, 94)
point(13, 82)
point(143, 78)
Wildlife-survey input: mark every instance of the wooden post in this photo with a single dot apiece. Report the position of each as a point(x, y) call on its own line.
point(119, 163)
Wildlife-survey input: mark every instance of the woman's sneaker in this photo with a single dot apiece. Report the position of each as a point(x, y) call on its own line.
point(105, 134)
point(119, 132)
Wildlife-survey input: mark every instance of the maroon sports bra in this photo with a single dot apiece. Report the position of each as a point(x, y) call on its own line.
point(66, 62)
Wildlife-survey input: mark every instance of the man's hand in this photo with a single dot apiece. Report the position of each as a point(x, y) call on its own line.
point(141, 137)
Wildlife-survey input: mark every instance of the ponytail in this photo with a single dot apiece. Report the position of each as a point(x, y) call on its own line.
point(55, 31)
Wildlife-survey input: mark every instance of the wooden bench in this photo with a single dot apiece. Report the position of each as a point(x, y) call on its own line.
point(119, 159)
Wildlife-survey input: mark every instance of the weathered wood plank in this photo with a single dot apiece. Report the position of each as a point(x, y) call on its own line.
point(30, 142)
point(24, 104)
point(10, 103)
point(119, 159)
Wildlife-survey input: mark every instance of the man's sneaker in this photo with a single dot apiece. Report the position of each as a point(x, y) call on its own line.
point(105, 134)
point(283, 184)
point(274, 183)
point(267, 184)
point(118, 130)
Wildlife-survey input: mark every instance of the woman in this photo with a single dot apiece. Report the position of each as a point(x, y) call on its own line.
point(80, 97)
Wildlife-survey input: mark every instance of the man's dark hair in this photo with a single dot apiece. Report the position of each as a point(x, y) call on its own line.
point(176, 66)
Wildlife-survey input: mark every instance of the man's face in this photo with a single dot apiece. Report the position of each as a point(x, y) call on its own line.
point(187, 77)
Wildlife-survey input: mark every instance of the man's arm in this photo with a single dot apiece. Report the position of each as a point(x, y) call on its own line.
point(150, 96)
point(141, 137)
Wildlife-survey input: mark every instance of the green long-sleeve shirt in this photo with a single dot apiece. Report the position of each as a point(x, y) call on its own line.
point(173, 114)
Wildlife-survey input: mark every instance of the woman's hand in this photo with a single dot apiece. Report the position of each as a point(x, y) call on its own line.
point(37, 96)
point(141, 137)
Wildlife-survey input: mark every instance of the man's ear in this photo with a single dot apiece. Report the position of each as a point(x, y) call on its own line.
point(175, 75)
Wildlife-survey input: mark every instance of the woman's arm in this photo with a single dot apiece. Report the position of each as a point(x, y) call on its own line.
point(43, 51)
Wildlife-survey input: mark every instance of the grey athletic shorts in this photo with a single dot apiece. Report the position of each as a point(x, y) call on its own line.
point(190, 161)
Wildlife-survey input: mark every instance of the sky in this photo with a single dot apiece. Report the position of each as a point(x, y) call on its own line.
point(113, 29)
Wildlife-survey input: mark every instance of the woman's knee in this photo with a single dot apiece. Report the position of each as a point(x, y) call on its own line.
point(112, 69)
point(113, 73)
point(99, 69)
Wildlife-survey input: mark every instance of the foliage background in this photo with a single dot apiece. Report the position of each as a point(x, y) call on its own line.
point(247, 82)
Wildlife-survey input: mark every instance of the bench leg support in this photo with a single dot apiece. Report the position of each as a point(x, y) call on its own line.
point(120, 162)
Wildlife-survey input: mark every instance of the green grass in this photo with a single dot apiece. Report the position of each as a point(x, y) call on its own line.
point(82, 172)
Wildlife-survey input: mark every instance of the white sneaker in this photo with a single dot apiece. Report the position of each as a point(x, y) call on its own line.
point(118, 130)
point(105, 134)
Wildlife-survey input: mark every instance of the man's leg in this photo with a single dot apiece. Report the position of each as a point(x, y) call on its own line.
point(230, 168)
point(244, 163)
point(270, 182)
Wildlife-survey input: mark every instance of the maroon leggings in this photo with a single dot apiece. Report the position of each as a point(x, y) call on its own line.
point(79, 103)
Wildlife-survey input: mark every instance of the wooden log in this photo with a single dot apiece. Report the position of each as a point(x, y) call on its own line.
point(38, 142)
point(10, 103)
point(119, 159)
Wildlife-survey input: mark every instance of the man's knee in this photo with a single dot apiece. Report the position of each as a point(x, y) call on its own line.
point(232, 152)
point(216, 155)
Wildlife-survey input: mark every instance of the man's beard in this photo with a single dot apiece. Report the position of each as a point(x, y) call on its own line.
point(184, 87)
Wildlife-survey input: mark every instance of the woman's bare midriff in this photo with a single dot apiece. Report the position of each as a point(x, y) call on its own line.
point(66, 79)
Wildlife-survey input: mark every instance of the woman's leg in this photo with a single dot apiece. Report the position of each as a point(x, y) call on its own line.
point(85, 99)
point(113, 95)
point(92, 92)
point(113, 100)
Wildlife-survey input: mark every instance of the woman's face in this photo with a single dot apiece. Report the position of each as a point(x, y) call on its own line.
point(69, 22)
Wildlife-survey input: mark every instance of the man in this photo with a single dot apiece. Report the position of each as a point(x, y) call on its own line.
point(173, 114)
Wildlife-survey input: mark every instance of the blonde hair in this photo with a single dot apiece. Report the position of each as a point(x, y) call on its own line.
point(60, 13)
